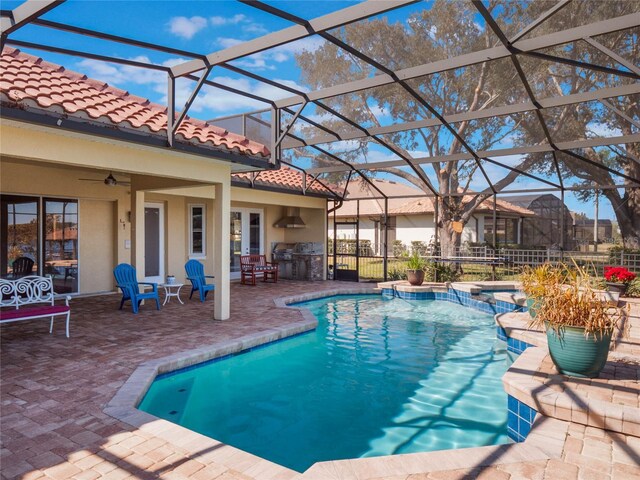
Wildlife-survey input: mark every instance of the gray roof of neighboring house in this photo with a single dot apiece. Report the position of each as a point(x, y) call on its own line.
point(526, 200)
point(602, 222)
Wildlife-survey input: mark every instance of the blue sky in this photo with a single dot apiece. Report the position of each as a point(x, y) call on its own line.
point(204, 27)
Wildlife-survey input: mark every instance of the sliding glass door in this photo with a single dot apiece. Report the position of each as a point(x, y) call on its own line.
point(39, 236)
point(19, 236)
point(61, 243)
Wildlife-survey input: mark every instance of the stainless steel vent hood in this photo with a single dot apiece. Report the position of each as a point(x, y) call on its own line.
point(291, 219)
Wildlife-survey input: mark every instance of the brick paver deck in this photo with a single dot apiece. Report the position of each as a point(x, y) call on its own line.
point(54, 391)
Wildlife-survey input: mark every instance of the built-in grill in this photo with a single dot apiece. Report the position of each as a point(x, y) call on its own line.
point(282, 251)
point(299, 261)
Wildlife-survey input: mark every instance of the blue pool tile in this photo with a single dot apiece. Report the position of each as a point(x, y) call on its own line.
point(520, 418)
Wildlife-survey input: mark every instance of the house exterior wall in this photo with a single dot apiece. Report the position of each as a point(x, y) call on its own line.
point(408, 228)
point(97, 252)
point(100, 241)
point(415, 228)
point(43, 161)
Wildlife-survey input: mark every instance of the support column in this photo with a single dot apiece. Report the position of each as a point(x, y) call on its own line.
point(562, 225)
point(519, 235)
point(137, 232)
point(495, 223)
point(385, 252)
point(222, 252)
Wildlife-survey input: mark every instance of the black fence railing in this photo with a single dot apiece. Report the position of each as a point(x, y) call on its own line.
point(482, 263)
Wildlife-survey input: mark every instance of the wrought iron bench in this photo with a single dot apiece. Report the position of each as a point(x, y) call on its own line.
point(252, 266)
point(29, 298)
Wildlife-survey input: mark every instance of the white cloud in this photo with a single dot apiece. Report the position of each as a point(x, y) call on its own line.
point(117, 75)
point(268, 59)
point(187, 27)
point(256, 28)
point(225, 42)
point(218, 21)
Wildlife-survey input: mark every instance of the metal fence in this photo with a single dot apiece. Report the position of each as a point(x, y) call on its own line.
point(510, 262)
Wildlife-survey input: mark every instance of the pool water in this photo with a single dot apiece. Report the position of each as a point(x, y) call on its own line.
point(379, 376)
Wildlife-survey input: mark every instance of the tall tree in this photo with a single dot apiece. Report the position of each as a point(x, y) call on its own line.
point(449, 29)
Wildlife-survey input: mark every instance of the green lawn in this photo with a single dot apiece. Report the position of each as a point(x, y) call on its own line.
point(372, 269)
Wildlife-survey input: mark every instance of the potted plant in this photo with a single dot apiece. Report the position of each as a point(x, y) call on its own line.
point(618, 278)
point(415, 269)
point(578, 324)
point(535, 283)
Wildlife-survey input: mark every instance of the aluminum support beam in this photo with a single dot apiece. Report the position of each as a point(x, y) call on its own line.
point(613, 55)
point(620, 113)
point(505, 193)
point(25, 13)
point(291, 34)
point(564, 146)
point(541, 19)
point(516, 63)
point(551, 102)
point(495, 53)
point(93, 56)
point(191, 99)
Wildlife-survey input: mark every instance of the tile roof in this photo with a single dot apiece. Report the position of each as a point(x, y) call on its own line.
point(425, 205)
point(284, 178)
point(29, 82)
point(406, 206)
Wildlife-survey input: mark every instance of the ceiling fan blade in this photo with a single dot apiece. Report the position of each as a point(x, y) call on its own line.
point(90, 180)
point(124, 184)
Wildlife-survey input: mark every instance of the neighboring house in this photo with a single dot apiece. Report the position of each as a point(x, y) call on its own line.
point(63, 134)
point(412, 216)
point(583, 230)
point(545, 227)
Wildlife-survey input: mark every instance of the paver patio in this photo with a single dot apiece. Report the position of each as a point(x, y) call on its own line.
point(54, 391)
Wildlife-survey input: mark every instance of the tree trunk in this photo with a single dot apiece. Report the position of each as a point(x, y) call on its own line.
point(449, 239)
point(627, 207)
point(628, 216)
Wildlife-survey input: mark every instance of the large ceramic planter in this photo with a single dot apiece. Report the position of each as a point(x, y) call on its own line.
point(415, 277)
point(619, 288)
point(576, 355)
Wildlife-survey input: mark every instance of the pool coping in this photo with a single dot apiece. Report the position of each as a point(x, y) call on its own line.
point(545, 440)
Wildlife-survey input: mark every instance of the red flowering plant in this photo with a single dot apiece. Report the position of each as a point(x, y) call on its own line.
point(618, 275)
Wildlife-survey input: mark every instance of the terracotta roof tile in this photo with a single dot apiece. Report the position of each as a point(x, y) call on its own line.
point(283, 178)
point(421, 204)
point(29, 81)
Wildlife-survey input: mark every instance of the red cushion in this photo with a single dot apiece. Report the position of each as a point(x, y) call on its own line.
point(33, 312)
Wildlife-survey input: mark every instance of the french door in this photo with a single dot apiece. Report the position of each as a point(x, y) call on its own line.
point(247, 235)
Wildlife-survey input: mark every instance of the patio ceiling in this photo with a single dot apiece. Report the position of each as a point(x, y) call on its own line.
point(530, 133)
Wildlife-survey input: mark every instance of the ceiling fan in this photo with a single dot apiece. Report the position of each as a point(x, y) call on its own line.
point(110, 181)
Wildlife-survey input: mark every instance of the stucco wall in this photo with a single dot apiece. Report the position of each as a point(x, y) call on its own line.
point(97, 240)
point(44, 161)
point(415, 228)
point(102, 236)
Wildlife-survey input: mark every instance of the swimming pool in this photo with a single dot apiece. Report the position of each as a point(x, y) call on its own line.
point(379, 376)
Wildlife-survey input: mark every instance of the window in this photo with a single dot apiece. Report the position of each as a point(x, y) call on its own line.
point(197, 226)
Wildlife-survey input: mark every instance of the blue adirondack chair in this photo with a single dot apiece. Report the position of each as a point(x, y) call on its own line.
point(127, 281)
point(195, 274)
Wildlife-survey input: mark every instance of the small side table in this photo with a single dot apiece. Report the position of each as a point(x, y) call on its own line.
point(168, 291)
